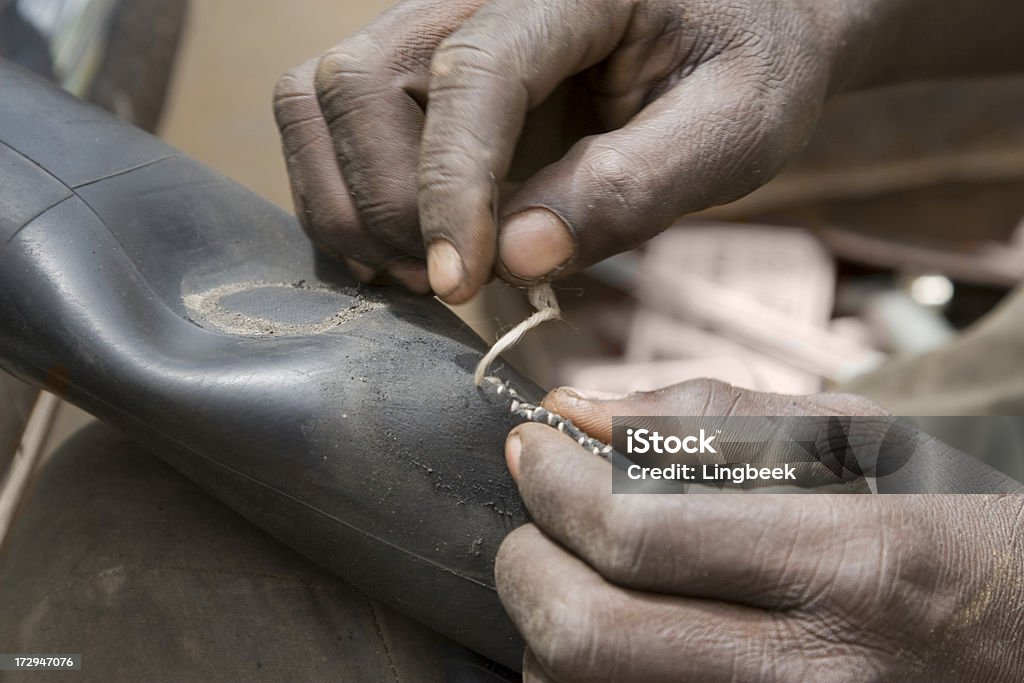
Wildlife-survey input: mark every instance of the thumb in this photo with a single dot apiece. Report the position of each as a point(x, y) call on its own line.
point(698, 397)
point(711, 139)
point(593, 412)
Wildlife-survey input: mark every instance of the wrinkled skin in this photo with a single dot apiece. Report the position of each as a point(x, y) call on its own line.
point(659, 108)
point(770, 588)
point(613, 118)
point(616, 116)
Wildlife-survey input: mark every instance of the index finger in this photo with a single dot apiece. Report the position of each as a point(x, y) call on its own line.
point(322, 200)
point(484, 78)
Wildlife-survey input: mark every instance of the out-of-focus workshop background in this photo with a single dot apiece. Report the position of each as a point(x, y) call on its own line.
point(898, 227)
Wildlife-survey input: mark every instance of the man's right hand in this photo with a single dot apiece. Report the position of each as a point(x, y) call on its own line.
point(618, 116)
point(639, 112)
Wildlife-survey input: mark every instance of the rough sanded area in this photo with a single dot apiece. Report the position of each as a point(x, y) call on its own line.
point(223, 308)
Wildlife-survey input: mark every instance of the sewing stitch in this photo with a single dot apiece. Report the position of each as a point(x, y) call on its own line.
point(542, 297)
point(500, 392)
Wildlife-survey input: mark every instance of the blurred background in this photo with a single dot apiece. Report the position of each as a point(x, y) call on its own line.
point(232, 52)
point(897, 229)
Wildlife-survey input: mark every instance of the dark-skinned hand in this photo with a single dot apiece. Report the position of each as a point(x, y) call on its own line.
point(616, 116)
point(754, 588)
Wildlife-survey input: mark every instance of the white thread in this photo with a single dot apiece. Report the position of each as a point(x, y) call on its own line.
point(542, 298)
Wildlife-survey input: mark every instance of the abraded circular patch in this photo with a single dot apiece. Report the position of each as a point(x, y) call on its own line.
point(260, 309)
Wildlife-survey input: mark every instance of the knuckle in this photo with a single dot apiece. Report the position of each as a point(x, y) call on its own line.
point(460, 54)
point(346, 69)
point(289, 84)
point(453, 151)
point(334, 72)
point(355, 54)
point(620, 177)
point(448, 194)
point(446, 168)
point(338, 62)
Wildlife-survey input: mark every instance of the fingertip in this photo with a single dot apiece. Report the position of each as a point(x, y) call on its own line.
point(360, 271)
point(539, 446)
point(524, 439)
point(534, 243)
point(446, 272)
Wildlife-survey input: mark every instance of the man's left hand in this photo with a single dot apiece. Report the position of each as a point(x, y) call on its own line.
point(767, 588)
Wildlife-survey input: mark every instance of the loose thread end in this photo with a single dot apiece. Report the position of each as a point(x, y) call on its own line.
point(542, 298)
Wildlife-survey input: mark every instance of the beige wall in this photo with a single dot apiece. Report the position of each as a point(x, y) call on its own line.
point(219, 107)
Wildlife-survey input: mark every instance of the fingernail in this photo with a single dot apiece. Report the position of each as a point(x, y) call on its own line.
point(534, 243)
point(444, 268)
point(591, 394)
point(513, 449)
point(360, 271)
point(413, 276)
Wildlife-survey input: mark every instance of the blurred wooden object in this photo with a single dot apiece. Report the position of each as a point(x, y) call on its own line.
point(16, 399)
point(943, 160)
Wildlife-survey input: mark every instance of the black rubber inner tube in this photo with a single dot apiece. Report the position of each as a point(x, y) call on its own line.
point(195, 316)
